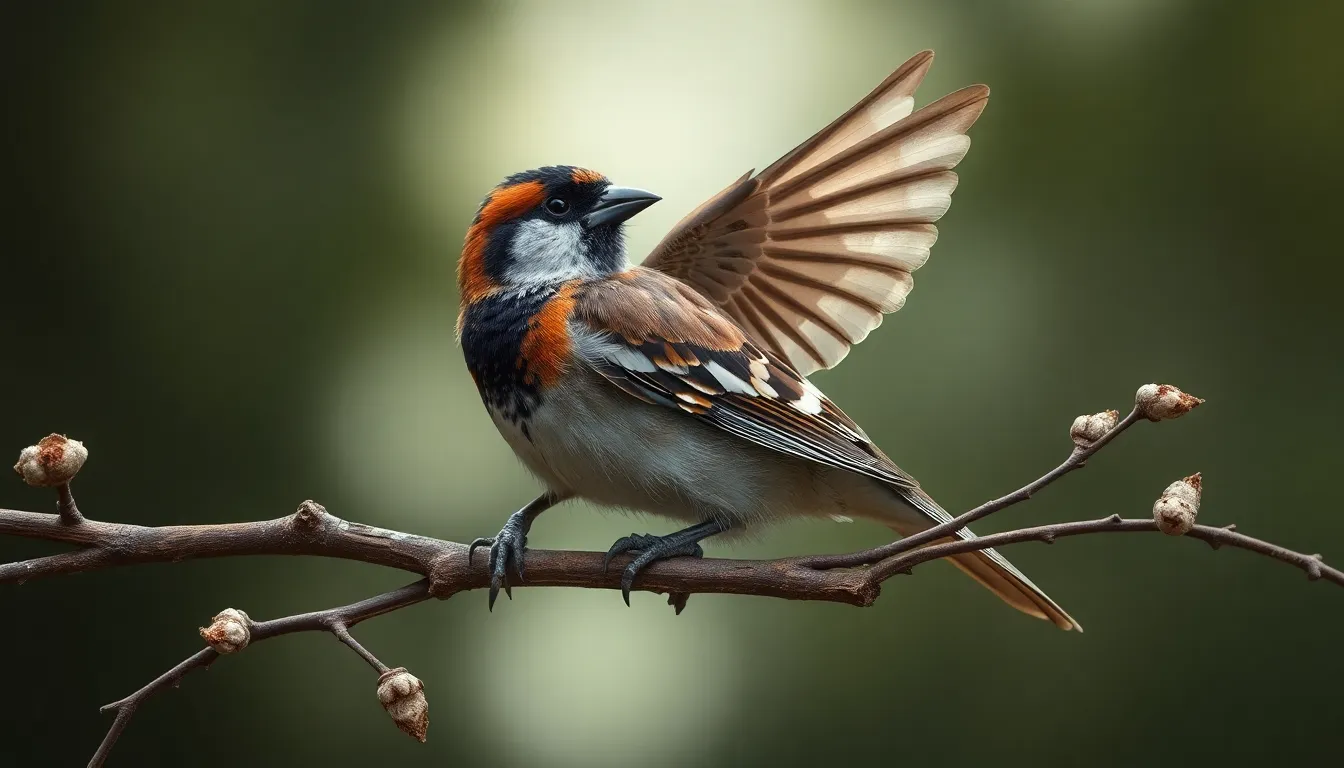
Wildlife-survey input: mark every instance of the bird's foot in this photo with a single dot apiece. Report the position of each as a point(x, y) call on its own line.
point(650, 548)
point(506, 546)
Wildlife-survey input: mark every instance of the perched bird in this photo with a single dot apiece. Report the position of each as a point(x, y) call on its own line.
point(679, 387)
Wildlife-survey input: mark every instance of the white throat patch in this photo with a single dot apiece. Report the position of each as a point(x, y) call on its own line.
point(545, 253)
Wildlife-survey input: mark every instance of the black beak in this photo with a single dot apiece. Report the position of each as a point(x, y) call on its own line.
point(618, 204)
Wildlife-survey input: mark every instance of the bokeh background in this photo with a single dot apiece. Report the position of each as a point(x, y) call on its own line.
point(229, 246)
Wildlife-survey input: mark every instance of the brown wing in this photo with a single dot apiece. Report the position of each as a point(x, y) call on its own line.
point(655, 338)
point(808, 254)
point(658, 340)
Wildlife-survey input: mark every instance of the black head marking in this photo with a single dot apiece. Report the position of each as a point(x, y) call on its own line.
point(568, 194)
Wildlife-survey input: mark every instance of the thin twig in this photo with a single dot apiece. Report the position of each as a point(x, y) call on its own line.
point(1076, 460)
point(126, 707)
point(65, 504)
point(334, 620)
point(1312, 565)
point(339, 630)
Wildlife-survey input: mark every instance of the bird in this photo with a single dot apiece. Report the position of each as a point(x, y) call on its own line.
point(679, 387)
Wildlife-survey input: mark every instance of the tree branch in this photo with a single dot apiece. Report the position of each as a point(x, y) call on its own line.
point(854, 578)
point(443, 562)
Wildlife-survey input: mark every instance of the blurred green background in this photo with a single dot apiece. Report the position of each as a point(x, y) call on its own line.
point(229, 247)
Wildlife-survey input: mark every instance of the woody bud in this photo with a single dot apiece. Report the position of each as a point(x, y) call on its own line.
point(1087, 430)
point(229, 632)
point(53, 462)
point(1177, 507)
point(403, 696)
point(1157, 402)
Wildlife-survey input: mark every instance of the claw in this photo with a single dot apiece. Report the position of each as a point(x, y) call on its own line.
point(625, 544)
point(632, 570)
point(628, 579)
point(650, 549)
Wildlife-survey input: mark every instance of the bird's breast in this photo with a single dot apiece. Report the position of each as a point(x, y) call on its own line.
point(517, 345)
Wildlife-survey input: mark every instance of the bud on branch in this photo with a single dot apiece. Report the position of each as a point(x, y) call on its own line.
point(1158, 402)
point(53, 462)
point(1177, 507)
point(403, 696)
point(229, 632)
point(1087, 430)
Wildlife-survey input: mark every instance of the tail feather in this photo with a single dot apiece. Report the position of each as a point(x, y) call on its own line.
point(988, 567)
point(1013, 588)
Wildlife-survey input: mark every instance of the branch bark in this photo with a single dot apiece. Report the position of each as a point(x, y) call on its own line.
point(854, 578)
point(314, 531)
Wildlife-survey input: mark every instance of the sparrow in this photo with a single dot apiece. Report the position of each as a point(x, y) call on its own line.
point(679, 388)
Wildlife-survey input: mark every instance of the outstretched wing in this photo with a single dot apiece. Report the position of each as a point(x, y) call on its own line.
point(808, 254)
point(660, 341)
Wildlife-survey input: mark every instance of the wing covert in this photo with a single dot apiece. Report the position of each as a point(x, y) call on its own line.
point(661, 342)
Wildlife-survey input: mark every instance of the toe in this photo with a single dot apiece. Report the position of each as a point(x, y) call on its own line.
point(498, 560)
point(519, 543)
point(621, 546)
point(632, 570)
point(632, 543)
point(499, 575)
point(471, 550)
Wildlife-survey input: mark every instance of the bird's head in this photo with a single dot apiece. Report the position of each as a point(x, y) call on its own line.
point(544, 227)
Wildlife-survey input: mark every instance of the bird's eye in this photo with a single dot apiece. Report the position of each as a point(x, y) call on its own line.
point(557, 206)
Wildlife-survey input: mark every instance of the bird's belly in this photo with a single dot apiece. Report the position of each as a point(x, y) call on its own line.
point(589, 438)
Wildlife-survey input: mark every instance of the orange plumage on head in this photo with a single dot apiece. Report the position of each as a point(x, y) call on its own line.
point(585, 176)
point(503, 204)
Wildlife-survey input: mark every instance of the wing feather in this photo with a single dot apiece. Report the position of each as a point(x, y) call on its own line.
point(810, 253)
point(693, 358)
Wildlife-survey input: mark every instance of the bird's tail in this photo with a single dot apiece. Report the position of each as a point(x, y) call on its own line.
point(986, 566)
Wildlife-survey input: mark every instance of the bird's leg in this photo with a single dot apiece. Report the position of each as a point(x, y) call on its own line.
point(508, 544)
point(683, 543)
